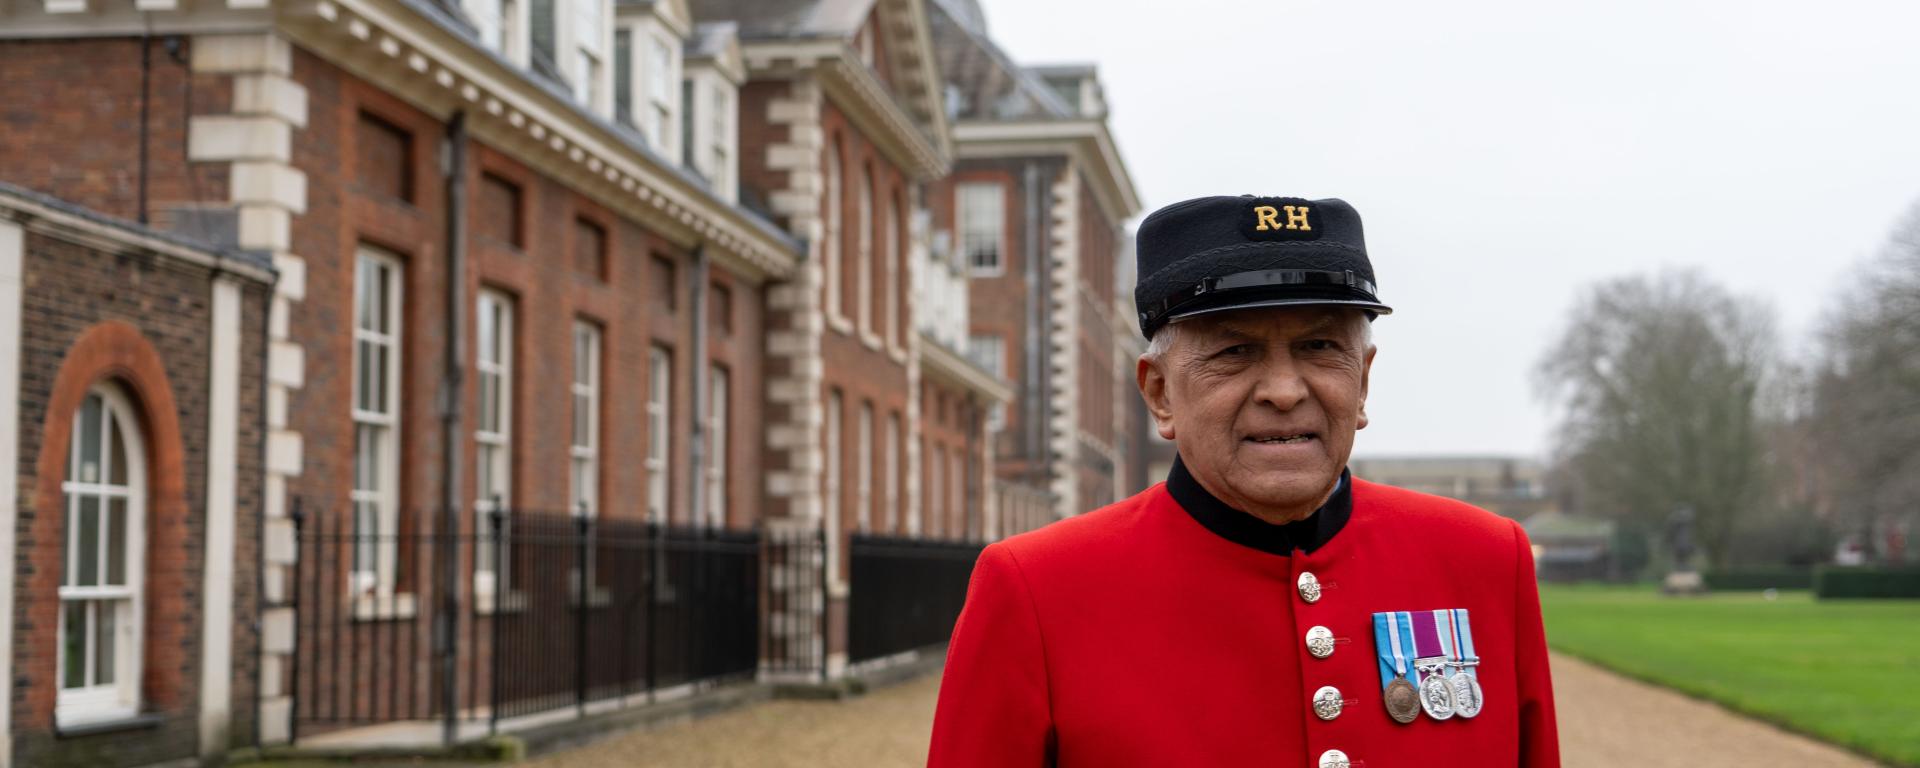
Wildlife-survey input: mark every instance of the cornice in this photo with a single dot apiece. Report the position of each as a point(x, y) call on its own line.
point(1087, 140)
point(858, 92)
point(396, 47)
point(938, 361)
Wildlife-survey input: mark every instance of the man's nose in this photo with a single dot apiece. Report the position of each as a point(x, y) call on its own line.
point(1280, 383)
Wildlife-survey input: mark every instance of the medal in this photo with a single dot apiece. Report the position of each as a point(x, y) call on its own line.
point(1392, 641)
point(1466, 681)
point(1430, 659)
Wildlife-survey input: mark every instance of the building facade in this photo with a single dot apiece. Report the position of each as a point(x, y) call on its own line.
point(378, 288)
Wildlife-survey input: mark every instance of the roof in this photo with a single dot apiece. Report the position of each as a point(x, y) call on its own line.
point(984, 82)
point(33, 204)
point(710, 38)
point(786, 19)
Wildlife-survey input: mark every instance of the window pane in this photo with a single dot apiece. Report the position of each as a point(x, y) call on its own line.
point(116, 452)
point(87, 432)
point(87, 552)
point(105, 619)
point(581, 437)
point(73, 651)
point(117, 542)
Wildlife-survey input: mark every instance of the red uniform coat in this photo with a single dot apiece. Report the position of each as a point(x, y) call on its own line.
point(1137, 636)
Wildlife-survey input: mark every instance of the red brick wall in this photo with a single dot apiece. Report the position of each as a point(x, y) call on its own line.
point(70, 114)
point(757, 181)
point(952, 423)
point(143, 324)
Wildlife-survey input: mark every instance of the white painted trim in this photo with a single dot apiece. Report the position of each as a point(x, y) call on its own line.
point(12, 274)
point(223, 436)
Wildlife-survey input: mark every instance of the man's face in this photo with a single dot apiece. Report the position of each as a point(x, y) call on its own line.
point(1263, 403)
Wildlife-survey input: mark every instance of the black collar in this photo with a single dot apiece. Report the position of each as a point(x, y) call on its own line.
point(1246, 530)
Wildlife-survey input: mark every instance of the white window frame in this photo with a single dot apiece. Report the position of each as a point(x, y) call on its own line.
point(659, 432)
point(830, 249)
point(378, 429)
point(980, 218)
point(719, 389)
point(989, 351)
point(863, 253)
point(896, 269)
point(863, 469)
point(493, 427)
point(720, 149)
point(489, 19)
point(589, 26)
point(583, 450)
point(830, 487)
point(119, 696)
point(890, 515)
point(662, 84)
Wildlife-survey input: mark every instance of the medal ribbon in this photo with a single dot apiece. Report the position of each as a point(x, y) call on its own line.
point(1426, 640)
point(1463, 643)
point(1391, 640)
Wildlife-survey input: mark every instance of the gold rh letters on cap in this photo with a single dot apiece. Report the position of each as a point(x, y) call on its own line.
point(1297, 218)
point(1266, 218)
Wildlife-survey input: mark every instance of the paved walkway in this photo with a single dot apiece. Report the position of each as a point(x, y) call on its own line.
point(1605, 721)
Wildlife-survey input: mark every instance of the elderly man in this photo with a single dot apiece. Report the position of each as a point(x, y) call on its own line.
point(1262, 607)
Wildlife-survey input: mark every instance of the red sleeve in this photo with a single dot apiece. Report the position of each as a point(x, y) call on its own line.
point(1539, 735)
point(994, 706)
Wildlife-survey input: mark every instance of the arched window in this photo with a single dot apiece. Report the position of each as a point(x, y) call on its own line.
point(830, 240)
point(863, 275)
point(104, 490)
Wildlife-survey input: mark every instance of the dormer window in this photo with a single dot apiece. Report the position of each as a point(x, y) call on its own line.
point(588, 49)
point(662, 86)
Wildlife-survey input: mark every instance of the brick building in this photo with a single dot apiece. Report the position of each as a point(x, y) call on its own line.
point(131, 387)
point(1035, 211)
point(499, 268)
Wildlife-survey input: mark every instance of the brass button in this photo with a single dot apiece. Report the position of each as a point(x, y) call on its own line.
point(1309, 587)
point(1327, 702)
point(1320, 642)
point(1334, 758)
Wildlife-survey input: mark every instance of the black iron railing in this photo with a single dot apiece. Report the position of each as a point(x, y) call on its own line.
point(905, 593)
point(550, 611)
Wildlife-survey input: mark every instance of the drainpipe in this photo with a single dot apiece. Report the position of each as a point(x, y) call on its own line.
point(453, 163)
point(1033, 403)
point(697, 460)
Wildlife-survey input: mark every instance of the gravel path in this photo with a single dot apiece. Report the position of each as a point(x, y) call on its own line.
point(1605, 721)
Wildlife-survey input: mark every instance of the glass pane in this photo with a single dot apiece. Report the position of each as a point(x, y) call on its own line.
point(581, 404)
point(488, 315)
point(363, 294)
point(382, 305)
point(485, 481)
point(87, 433)
point(73, 649)
point(377, 381)
point(106, 615)
point(363, 377)
point(86, 570)
point(117, 542)
point(116, 453)
point(489, 399)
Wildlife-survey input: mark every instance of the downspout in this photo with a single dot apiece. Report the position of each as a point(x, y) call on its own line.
point(453, 163)
point(1034, 401)
point(697, 458)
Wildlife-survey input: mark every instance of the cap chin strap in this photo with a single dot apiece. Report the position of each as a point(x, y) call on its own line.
point(1264, 278)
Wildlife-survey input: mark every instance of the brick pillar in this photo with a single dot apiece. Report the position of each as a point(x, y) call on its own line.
point(1063, 422)
point(267, 192)
point(795, 322)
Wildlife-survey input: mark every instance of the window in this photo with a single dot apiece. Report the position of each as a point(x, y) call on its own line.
point(493, 432)
point(890, 244)
point(890, 514)
point(982, 213)
point(587, 50)
point(830, 240)
point(541, 34)
point(720, 309)
point(989, 351)
point(376, 420)
point(623, 76)
point(662, 84)
point(957, 485)
point(584, 450)
point(659, 414)
point(590, 249)
point(863, 469)
point(720, 145)
point(665, 292)
point(830, 487)
point(100, 588)
point(719, 384)
point(863, 257)
point(489, 21)
point(936, 494)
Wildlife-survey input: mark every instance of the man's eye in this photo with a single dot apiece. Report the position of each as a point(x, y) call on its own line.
point(1235, 350)
point(1322, 345)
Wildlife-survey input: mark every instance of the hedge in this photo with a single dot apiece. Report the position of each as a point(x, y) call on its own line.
point(1755, 579)
point(1839, 582)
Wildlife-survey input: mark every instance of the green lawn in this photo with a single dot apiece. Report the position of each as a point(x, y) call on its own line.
point(1844, 671)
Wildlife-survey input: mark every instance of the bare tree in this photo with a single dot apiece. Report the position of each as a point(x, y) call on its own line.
point(1865, 392)
point(1659, 379)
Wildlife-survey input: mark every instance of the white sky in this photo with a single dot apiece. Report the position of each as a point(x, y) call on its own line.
point(1506, 153)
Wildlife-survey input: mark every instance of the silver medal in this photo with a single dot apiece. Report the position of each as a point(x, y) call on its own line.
point(1436, 695)
point(1466, 693)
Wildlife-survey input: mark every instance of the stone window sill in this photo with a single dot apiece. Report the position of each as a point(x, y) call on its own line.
point(108, 725)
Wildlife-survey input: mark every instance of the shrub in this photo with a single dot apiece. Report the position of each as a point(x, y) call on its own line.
point(1839, 582)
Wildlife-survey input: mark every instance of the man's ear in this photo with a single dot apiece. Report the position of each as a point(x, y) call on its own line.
point(1366, 373)
point(1153, 389)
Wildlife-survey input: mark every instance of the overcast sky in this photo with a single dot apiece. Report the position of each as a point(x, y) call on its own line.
point(1507, 153)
